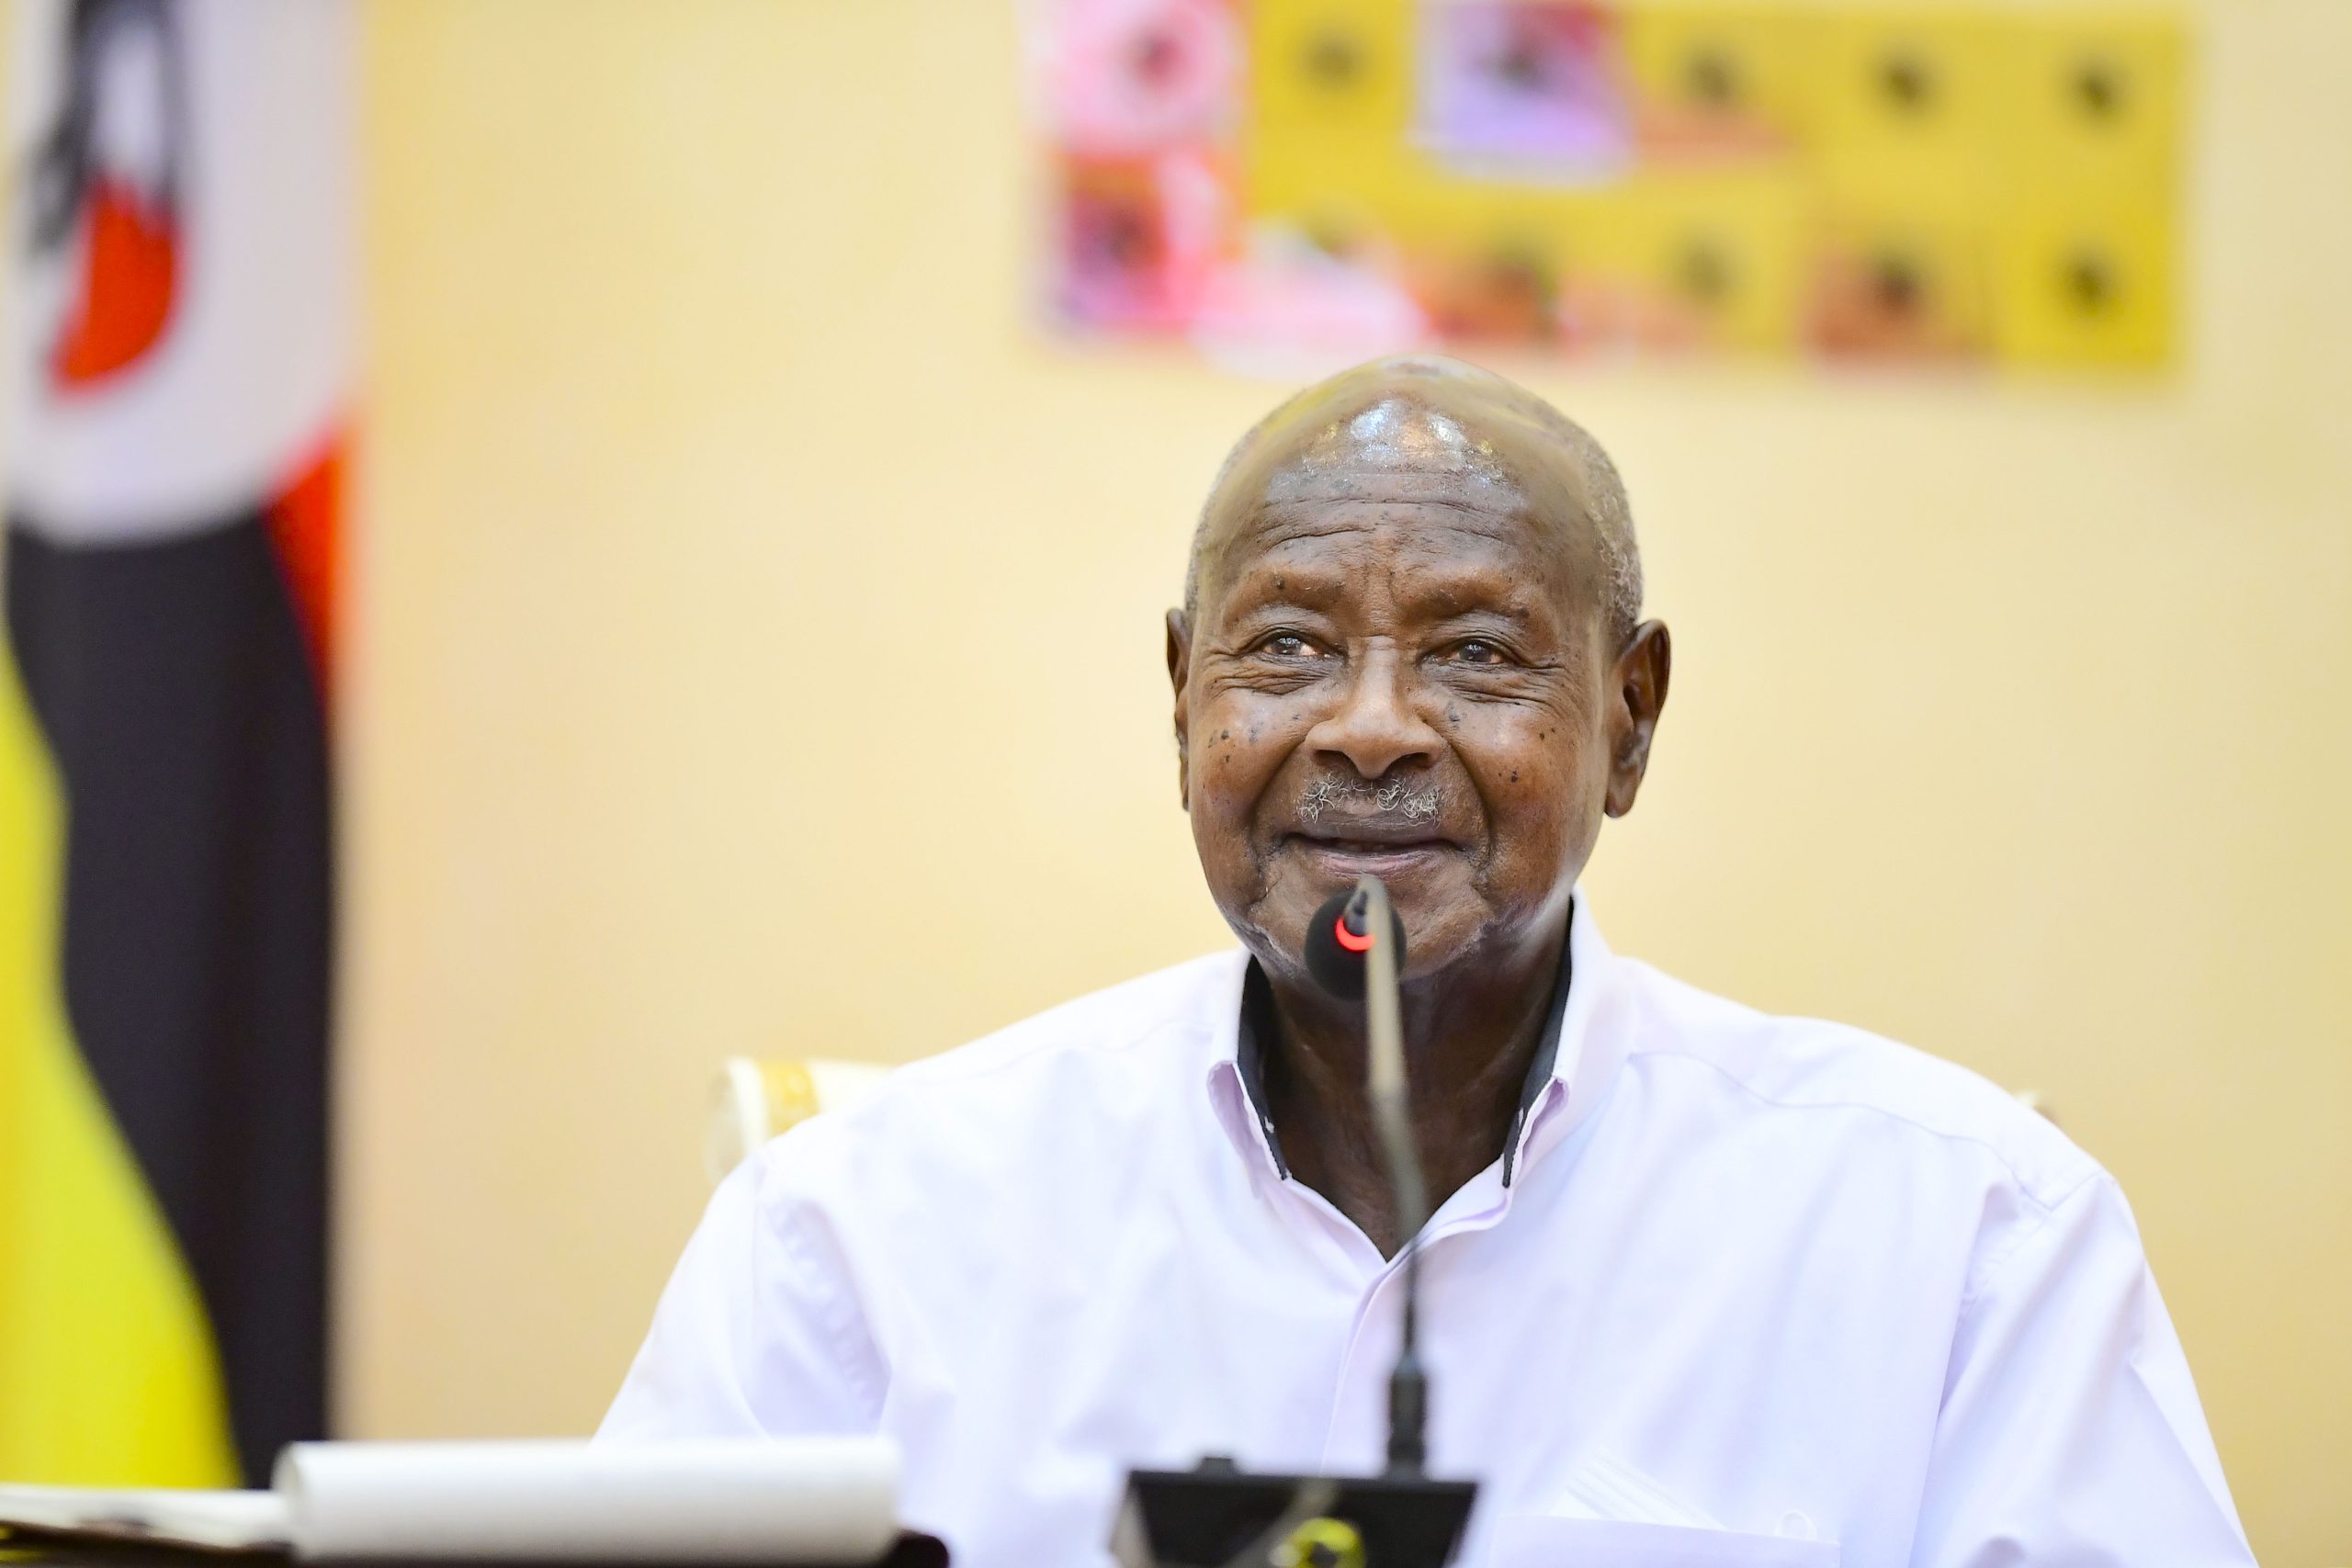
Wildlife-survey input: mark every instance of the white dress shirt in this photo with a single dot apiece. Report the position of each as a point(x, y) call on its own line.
point(1755, 1290)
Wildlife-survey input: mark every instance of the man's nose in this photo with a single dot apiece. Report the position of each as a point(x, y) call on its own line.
point(1375, 726)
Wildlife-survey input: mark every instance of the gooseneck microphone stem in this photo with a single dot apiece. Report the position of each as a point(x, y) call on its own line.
point(1218, 1515)
point(1392, 1118)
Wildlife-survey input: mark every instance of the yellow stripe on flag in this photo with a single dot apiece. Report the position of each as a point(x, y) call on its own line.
point(107, 1373)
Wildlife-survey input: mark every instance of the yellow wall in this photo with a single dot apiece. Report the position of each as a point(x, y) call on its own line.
point(744, 575)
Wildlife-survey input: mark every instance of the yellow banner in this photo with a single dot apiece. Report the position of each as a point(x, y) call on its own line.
point(107, 1374)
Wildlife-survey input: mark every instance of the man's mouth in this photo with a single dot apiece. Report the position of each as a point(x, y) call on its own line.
point(1374, 849)
point(1377, 832)
point(1352, 827)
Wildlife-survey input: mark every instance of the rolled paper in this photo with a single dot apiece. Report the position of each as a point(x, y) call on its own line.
point(829, 1500)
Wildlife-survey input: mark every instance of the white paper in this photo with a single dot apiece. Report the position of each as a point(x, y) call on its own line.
point(809, 1500)
point(213, 1521)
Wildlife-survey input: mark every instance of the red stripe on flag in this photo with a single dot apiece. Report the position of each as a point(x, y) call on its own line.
point(130, 275)
point(306, 526)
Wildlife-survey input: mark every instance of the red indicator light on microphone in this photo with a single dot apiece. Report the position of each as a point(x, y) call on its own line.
point(1339, 944)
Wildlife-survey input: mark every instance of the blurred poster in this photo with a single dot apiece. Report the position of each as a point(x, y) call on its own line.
point(1509, 84)
point(182, 385)
point(1958, 184)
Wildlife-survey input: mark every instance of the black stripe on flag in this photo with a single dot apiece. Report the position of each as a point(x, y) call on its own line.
point(172, 682)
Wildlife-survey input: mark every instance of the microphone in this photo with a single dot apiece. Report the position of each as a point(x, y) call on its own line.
point(1219, 1515)
point(1339, 940)
point(1355, 950)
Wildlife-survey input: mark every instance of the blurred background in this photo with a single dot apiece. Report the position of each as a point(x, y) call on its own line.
point(740, 555)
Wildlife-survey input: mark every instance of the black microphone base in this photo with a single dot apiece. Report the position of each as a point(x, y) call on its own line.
point(1218, 1517)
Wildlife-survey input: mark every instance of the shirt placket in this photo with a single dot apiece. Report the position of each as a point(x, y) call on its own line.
point(1481, 1204)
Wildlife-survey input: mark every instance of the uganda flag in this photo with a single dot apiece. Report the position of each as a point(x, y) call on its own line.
point(182, 382)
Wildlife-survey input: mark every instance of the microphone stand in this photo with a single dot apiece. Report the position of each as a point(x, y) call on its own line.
point(1392, 1120)
point(1220, 1517)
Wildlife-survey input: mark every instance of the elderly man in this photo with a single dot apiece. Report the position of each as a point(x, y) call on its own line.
point(1702, 1285)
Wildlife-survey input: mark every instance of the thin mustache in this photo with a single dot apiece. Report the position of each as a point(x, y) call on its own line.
point(1359, 801)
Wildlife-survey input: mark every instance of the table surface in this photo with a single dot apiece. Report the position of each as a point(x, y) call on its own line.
point(31, 1547)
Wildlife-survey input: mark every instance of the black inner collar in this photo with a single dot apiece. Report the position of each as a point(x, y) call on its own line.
point(1259, 1025)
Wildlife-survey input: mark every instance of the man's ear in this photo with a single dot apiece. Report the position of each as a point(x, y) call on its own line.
point(1180, 664)
point(1640, 675)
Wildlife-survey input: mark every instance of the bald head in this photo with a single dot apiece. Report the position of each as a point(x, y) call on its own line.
point(1472, 437)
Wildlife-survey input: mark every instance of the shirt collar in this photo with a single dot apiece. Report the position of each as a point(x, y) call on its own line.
point(1238, 1071)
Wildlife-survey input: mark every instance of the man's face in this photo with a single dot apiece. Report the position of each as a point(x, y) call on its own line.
point(1399, 666)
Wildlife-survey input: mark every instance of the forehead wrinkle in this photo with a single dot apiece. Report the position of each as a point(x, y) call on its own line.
point(1278, 525)
point(1429, 577)
point(1446, 601)
point(1466, 534)
point(1448, 586)
point(1358, 475)
point(1389, 504)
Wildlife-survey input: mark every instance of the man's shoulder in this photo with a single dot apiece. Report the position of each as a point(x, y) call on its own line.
point(1092, 1030)
point(1803, 1066)
point(1082, 1072)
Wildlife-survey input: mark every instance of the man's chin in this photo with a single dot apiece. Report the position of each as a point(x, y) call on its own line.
point(1432, 889)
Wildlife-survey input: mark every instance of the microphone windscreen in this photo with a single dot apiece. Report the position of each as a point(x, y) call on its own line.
point(1337, 967)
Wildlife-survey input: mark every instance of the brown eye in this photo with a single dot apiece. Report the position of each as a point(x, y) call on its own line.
point(1478, 651)
point(1286, 645)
